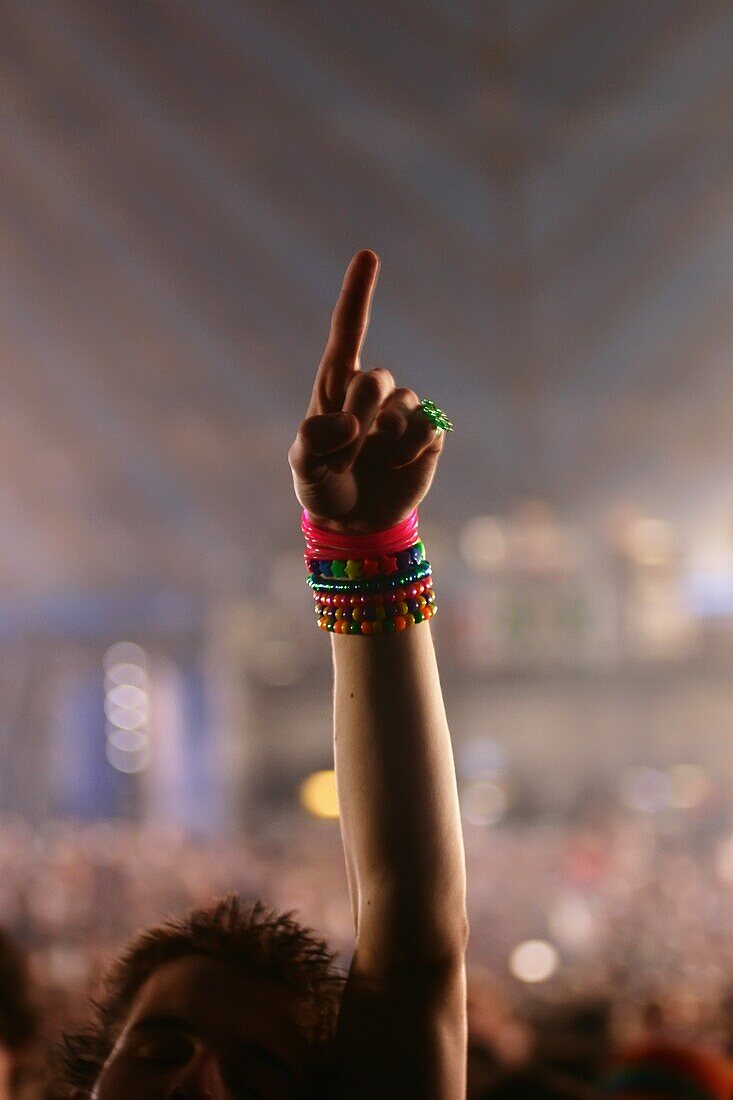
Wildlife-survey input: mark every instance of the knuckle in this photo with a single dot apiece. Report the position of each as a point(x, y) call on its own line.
point(371, 384)
point(385, 377)
point(408, 396)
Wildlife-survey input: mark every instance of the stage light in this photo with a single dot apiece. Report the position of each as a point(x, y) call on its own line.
point(483, 801)
point(318, 794)
point(534, 961)
point(125, 718)
point(128, 695)
point(125, 673)
point(128, 762)
point(125, 652)
point(127, 740)
point(571, 921)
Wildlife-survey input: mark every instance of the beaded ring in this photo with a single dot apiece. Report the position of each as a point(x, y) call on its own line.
point(436, 416)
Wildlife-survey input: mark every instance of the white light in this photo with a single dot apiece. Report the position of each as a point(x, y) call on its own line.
point(128, 762)
point(571, 921)
point(647, 789)
point(126, 673)
point(128, 740)
point(128, 695)
point(125, 718)
point(533, 961)
point(127, 652)
point(483, 802)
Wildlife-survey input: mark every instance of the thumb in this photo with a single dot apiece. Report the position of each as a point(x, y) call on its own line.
point(319, 436)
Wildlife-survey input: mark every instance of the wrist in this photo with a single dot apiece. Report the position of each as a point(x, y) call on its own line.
point(372, 583)
point(358, 529)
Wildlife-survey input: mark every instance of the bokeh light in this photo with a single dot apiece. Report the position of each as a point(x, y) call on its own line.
point(534, 961)
point(318, 794)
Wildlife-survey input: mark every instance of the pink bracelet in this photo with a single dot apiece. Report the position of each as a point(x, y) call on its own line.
point(330, 544)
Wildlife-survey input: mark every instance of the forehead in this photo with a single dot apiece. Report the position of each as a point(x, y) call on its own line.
point(220, 1004)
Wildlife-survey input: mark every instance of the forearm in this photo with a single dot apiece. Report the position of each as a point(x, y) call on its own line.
point(397, 796)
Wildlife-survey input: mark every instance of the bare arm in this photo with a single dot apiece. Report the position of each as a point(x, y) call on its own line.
point(402, 1028)
point(401, 828)
point(397, 795)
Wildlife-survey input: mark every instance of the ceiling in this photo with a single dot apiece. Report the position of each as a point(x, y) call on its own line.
point(547, 182)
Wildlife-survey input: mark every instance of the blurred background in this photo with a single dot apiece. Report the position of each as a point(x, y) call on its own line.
point(548, 184)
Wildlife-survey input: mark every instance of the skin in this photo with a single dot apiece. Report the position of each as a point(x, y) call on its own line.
point(197, 1030)
point(363, 458)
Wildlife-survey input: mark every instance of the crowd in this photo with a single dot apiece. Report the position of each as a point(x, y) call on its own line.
point(637, 925)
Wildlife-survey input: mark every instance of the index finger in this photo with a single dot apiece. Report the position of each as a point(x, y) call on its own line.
point(349, 324)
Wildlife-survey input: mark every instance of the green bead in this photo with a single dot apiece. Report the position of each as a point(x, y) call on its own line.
point(338, 568)
point(418, 616)
point(330, 624)
point(387, 626)
point(354, 628)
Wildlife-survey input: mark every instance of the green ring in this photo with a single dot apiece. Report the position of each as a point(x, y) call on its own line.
point(436, 416)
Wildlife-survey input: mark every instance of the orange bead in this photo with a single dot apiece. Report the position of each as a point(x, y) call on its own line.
point(427, 612)
point(399, 622)
point(366, 627)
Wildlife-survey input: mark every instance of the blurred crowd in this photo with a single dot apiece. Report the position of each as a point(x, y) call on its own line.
point(631, 927)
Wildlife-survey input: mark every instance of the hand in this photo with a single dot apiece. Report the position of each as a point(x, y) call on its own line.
point(365, 455)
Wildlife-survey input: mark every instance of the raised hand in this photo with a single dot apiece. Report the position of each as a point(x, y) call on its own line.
point(366, 454)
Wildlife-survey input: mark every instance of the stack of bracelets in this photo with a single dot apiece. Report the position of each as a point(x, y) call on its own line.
point(370, 584)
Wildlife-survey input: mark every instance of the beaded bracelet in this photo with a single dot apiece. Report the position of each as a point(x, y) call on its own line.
point(383, 584)
point(358, 568)
point(380, 584)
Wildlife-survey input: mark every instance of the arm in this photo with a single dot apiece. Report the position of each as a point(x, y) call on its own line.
point(403, 1016)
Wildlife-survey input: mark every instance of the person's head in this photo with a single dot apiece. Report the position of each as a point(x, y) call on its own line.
point(230, 1003)
point(661, 1070)
point(18, 1016)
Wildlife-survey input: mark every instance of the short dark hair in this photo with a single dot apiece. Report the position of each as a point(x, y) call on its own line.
point(252, 938)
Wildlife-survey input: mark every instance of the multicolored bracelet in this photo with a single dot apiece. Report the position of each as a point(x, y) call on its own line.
point(374, 584)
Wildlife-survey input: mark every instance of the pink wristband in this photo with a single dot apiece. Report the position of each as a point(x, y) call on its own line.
point(330, 544)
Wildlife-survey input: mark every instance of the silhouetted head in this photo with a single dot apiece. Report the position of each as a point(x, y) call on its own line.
point(230, 1003)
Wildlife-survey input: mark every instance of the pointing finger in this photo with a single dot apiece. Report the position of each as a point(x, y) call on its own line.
point(349, 324)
